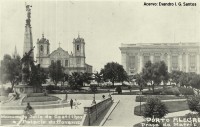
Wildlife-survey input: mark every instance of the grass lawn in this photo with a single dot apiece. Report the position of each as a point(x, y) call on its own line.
point(40, 99)
point(161, 97)
point(173, 106)
point(173, 122)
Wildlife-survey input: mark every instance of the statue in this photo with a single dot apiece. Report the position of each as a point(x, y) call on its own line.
point(27, 62)
point(28, 9)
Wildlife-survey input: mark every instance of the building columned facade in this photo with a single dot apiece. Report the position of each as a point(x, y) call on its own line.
point(177, 56)
point(72, 62)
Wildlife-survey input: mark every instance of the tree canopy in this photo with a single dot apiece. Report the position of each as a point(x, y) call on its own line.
point(114, 72)
point(56, 72)
point(10, 69)
point(155, 73)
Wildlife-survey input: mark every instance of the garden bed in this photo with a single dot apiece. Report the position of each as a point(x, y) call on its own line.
point(173, 106)
point(40, 99)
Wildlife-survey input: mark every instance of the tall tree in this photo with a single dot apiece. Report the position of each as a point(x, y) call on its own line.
point(56, 72)
point(114, 72)
point(140, 81)
point(155, 73)
point(65, 78)
point(98, 77)
point(10, 69)
point(86, 77)
point(175, 76)
point(75, 80)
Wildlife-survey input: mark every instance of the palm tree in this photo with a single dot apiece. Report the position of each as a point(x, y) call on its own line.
point(98, 77)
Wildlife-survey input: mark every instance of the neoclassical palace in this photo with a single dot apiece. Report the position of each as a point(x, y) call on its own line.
point(177, 56)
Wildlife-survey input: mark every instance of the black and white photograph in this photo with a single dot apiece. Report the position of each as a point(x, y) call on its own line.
point(133, 63)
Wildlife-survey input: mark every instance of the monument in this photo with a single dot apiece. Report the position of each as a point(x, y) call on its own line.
point(28, 58)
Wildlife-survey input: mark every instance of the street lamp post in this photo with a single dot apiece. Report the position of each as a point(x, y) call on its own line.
point(94, 101)
point(140, 102)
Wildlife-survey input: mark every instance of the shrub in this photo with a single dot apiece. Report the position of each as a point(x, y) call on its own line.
point(171, 91)
point(119, 89)
point(150, 92)
point(186, 91)
point(194, 104)
point(52, 87)
point(93, 88)
point(154, 107)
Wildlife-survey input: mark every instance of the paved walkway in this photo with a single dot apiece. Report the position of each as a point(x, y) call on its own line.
point(123, 115)
point(63, 110)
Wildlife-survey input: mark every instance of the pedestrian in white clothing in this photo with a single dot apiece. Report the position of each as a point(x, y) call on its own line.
point(76, 104)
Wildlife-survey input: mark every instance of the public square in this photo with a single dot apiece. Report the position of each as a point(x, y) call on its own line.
point(103, 63)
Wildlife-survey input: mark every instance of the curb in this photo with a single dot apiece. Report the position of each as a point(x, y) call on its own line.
point(109, 113)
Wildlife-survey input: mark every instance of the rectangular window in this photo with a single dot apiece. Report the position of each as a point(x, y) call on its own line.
point(174, 62)
point(132, 62)
point(192, 60)
point(66, 63)
point(146, 59)
point(59, 62)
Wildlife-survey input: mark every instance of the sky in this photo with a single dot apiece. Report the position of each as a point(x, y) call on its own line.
point(104, 25)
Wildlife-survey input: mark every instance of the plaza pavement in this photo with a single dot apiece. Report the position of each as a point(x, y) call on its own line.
point(122, 115)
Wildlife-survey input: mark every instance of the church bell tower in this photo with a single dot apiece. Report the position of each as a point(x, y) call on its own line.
point(43, 52)
point(79, 52)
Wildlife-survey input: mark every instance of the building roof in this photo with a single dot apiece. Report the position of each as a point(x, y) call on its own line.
point(60, 50)
point(159, 44)
point(78, 39)
point(43, 40)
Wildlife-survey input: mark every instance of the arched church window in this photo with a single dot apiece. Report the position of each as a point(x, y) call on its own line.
point(41, 48)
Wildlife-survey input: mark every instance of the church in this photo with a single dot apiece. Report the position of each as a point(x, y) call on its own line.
point(72, 62)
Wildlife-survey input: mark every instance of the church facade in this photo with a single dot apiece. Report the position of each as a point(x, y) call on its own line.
point(72, 62)
point(177, 56)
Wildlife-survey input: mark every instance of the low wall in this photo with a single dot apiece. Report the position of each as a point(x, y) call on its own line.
point(93, 112)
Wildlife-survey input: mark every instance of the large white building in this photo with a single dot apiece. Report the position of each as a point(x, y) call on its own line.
point(177, 56)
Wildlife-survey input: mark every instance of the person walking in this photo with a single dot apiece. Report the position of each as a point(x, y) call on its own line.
point(71, 103)
point(76, 104)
